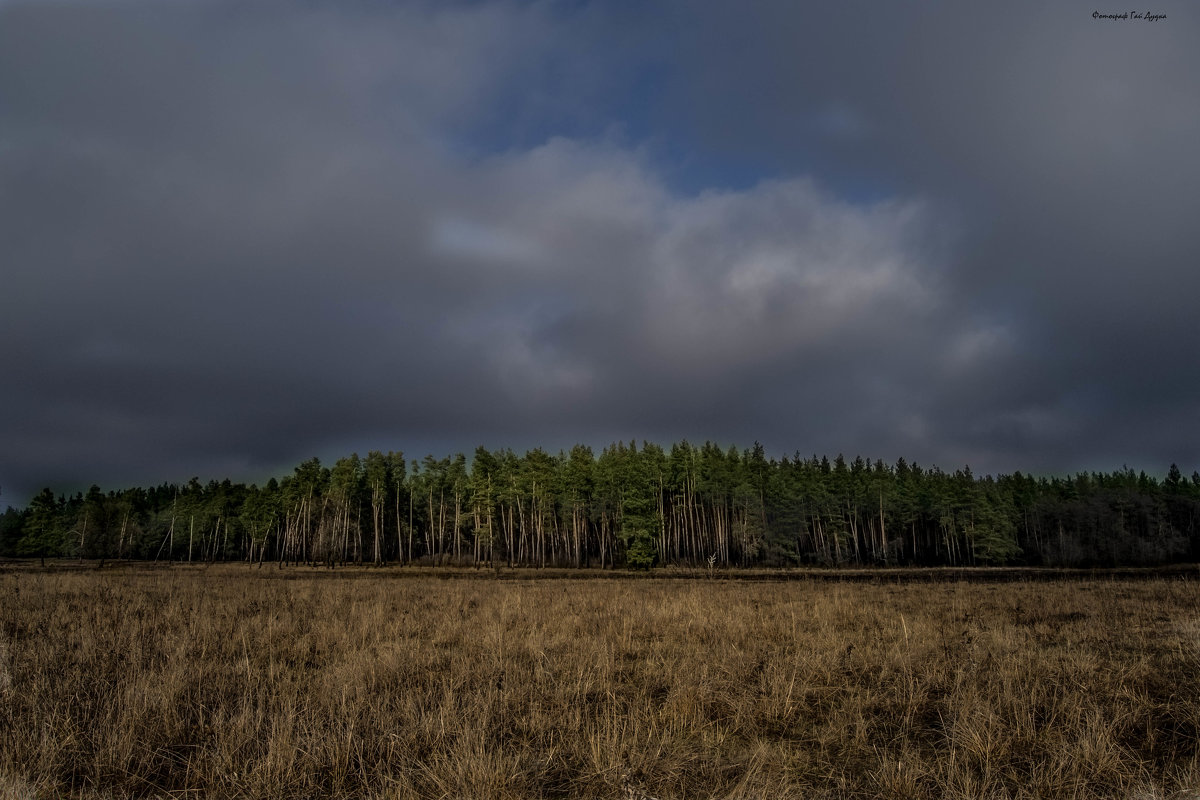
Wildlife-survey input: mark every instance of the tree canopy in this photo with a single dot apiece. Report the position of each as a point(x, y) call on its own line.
point(634, 506)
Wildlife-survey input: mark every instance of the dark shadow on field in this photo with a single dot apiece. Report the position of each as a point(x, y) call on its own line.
point(887, 575)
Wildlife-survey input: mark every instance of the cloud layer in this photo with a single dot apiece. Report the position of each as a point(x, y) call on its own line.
point(235, 237)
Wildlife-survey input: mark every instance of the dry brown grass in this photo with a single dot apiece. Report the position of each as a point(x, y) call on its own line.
point(229, 682)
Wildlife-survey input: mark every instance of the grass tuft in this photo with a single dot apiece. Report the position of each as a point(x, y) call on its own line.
point(219, 682)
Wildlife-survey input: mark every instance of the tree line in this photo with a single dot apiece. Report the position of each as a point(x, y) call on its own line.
point(628, 507)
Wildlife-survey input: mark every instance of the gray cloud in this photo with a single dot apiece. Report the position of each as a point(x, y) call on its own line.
point(235, 237)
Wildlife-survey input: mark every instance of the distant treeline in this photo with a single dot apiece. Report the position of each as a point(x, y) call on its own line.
point(630, 506)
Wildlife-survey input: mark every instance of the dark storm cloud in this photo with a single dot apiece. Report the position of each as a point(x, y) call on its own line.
point(1065, 143)
point(235, 236)
point(213, 227)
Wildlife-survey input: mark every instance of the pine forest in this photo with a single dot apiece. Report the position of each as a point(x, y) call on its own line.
point(628, 507)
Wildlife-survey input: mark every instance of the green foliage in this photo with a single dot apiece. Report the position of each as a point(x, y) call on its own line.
point(640, 550)
point(12, 523)
point(43, 532)
point(632, 506)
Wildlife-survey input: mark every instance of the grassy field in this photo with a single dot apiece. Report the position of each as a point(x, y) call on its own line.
point(235, 682)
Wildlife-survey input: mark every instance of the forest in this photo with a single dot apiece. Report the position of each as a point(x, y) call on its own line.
point(629, 507)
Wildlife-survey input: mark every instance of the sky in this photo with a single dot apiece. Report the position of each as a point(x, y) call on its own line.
point(234, 236)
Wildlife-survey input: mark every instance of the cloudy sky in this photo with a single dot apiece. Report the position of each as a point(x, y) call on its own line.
point(236, 235)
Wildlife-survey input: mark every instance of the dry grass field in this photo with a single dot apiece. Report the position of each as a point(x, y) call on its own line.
point(235, 682)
